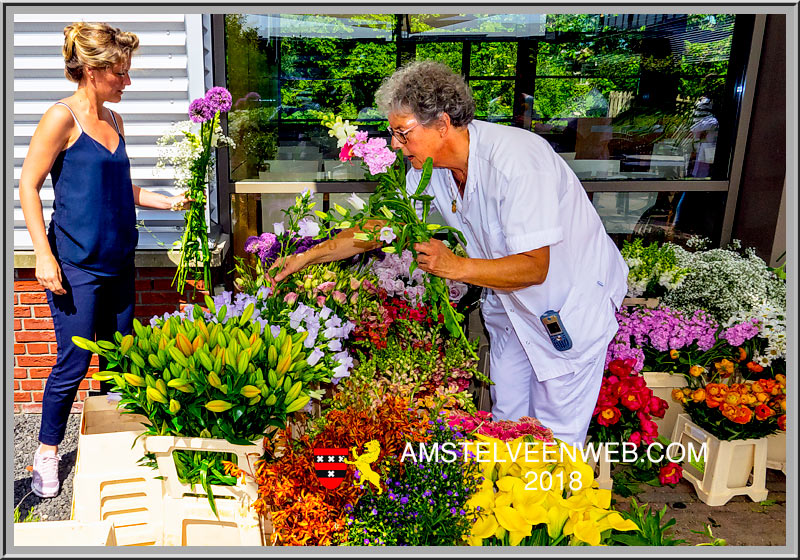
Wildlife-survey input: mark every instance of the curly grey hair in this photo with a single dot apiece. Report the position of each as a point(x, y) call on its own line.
point(427, 89)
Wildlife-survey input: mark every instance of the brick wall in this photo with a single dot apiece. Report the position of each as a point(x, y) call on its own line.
point(35, 341)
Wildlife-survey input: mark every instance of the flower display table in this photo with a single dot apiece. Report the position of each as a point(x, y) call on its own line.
point(728, 464)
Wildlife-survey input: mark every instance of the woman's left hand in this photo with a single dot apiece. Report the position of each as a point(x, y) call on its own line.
point(434, 257)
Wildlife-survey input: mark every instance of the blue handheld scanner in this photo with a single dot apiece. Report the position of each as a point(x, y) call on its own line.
point(555, 328)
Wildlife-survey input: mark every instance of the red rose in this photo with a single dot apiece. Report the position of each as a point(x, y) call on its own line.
point(607, 398)
point(763, 412)
point(658, 407)
point(636, 438)
point(670, 474)
point(782, 422)
point(620, 368)
point(632, 400)
point(609, 416)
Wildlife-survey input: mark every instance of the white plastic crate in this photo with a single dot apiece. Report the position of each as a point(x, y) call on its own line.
point(729, 465)
point(108, 484)
point(189, 521)
point(662, 383)
point(776, 452)
point(64, 533)
point(164, 446)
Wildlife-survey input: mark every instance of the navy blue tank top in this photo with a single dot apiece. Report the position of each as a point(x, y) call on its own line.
point(93, 226)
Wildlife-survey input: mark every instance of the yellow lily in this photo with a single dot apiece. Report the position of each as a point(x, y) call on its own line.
point(512, 521)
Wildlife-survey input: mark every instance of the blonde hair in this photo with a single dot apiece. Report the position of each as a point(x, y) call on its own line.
point(96, 45)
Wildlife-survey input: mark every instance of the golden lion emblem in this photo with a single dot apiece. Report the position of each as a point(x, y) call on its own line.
point(362, 464)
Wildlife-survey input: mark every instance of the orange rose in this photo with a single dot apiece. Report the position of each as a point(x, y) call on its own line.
point(699, 395)
point(782, 402)
point(754, 367)
point(674, 354)
point(732, 397)
point(696, 371)
point(743, 415)
point(728, 411)
point(763, 412)
point(780, 378)
point(678, 396)
point(757, 387)
point(782, 422)
point(762, 397)
point(742, 354)
point(749, 399)
point(717, 390)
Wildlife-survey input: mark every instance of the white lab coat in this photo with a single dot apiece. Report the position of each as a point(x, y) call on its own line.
point(519, 196)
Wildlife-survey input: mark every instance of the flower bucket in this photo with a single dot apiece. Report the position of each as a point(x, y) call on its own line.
point(728, 465)
point(662, 383)
point(650, 303)
point(776, 452)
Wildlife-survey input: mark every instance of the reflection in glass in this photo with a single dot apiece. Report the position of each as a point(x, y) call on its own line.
point(661, 216)
point(623, 96)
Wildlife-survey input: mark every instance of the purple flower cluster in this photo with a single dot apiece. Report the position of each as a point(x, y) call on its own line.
point(333, 331)
point(203, 109)
point(219, 99)
point(268, 246)
point(666, 329)
point(623, 351)
point(376, 154)
point(741, 332)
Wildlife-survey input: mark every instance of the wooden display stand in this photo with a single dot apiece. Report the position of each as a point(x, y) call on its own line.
point(728, 464)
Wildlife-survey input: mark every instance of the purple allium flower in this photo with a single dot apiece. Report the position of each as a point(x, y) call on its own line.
point(218, 99)
point(199, 111)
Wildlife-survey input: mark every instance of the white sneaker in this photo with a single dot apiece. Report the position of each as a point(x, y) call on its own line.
point(45, 483)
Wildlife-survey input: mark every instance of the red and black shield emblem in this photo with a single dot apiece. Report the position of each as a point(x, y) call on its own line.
point(330, 466)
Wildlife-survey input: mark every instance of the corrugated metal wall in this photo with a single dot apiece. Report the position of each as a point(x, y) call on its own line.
point(168, 71)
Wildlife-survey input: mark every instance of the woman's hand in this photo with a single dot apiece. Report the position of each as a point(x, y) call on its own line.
point(178, 202)
point(434, 257)
point(289, 265)
point(48, 273)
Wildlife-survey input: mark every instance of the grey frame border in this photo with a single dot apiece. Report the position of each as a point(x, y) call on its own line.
point(788, 9)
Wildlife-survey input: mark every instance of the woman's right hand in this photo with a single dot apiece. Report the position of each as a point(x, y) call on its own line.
point(48, 273)
point(282, 268)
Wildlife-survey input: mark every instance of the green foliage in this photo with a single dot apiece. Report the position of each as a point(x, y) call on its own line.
point(30, 517)
point(653, 270)
point(652, 532)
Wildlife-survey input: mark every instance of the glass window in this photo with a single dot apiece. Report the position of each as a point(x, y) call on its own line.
point(660, 216)
point(621, 96)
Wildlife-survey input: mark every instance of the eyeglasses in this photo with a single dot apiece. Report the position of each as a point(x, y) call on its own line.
point(402, 137)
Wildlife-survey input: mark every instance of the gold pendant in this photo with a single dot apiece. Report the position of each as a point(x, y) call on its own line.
point(453, 207)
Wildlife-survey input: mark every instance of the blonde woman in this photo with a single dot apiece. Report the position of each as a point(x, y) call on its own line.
point(85, 259)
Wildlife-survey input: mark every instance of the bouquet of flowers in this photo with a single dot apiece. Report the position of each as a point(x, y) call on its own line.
point(652, 270)
point(390, 215)
point(194, 160)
